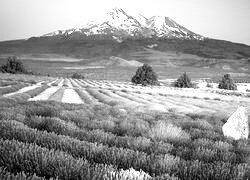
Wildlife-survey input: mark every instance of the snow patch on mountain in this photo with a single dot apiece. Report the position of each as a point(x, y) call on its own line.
point(62, 32)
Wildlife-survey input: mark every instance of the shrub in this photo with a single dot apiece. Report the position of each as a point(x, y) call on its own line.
point(223, 146)
point(163, 131)
point(183, 81)
point(8, 83)
point(133, 174)
point(58, 126)
point(227, 83)
point(102, 97)
point(209, 85)
point(199, 124)
point(49, 124)
point(45, 111)
point(145, 76)
point(85, 96)
point(93, 152)
point(79, 118)
point(22, 97)
point(204, 154)
point(7, 102)
point(77, 76)
point(204, 133)
point(13, 66)
point(218, 170)
point(217, 99)
point(11, 89)
point(30, 158)
point(5, 175)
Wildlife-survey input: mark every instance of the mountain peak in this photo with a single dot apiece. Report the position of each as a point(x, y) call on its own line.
point(117, 13)
point(116, 10)
point(119, 25)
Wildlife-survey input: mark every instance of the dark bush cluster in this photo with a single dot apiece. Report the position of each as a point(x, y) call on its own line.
point(13, 66)
point(145, 76)
point(77, 76)
point(227, 83)
point(183, 81)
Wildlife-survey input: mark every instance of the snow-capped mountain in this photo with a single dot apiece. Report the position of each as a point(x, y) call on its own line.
point(119, 25)
point(166, 27)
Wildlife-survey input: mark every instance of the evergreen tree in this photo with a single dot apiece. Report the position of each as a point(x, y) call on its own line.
point(183, 81)
point(13, 66)
point(145, 76)
point(227, 83)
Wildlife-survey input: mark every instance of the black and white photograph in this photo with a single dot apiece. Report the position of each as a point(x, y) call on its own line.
point(124, 89)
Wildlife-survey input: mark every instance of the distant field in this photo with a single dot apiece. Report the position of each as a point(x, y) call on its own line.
point(123, 73)
point(115, 130)
point(157, 98)
point(42, 57)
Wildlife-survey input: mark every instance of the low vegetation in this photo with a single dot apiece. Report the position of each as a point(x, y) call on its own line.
point(13, 88)
point(103, 139)
point(100, 141)
point(77, 76)
point(5, 175)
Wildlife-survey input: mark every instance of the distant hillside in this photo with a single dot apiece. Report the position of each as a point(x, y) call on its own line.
point(94, 46)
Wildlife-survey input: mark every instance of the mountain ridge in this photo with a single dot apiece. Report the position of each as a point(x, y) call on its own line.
point(120, 25)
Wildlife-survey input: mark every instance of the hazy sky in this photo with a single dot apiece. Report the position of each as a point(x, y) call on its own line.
point(220, 19)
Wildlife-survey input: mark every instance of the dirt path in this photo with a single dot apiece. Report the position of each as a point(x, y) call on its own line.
point(45, 95)
point(50, 83)
point(61, 83)
point(57, 96)
point(70, 96)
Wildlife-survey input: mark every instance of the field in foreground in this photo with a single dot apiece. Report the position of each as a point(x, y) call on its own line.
point(85, 129)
